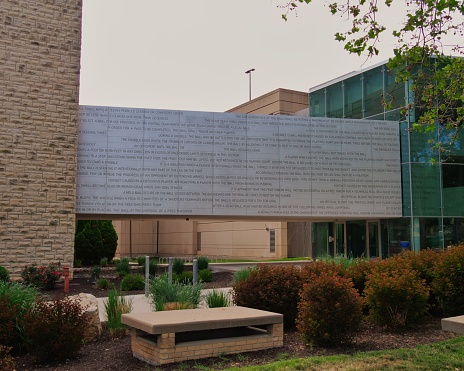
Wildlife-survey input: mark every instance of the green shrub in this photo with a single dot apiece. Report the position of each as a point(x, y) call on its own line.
point(17, 300)
point(185, 278)
point(203, 263)
point(205, 275)
point(104, 262)
point(132, 282)
point(178, 266)
point(7, 362)
point(115, 306)
point(77, 263)
point(95, 239)
point(96, 270)
point(42, 277)
point(56, 329)
point(217, 299)
point(152, 268)
point(273, 288)
point(140, 260)
point(395, 294)
point(105, 284)
point(123, 267)
point(161, 293)
point(242, 275)
point(448, 281)
point(329, 312)
point(4, 276)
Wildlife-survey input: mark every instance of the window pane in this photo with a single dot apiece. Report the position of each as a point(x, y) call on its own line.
point(353, 98)
point(335, 101)
point(373, 92)
point(426, 189)
point(317, 103)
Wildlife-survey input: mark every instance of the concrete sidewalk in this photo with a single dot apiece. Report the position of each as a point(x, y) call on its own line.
point(141, 304)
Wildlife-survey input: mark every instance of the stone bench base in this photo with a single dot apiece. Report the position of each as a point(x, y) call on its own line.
point(224, 333)
point(453, 324)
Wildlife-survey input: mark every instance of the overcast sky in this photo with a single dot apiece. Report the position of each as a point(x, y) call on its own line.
point(193, 54)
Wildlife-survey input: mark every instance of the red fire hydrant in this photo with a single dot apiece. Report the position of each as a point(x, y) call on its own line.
point(66, 278)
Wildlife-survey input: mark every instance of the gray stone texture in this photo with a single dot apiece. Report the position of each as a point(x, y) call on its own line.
point(40, 44)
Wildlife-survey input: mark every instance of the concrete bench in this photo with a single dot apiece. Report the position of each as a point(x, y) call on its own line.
point(453, 324)
point(180, 335)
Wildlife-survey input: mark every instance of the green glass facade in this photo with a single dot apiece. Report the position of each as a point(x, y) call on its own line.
point(432, 181)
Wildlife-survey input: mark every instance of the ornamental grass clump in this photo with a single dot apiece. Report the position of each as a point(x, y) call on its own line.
point(43, 276)
point(162, 292)
point(396, 295)
point(330, 310)
point(217, 299)
point(115, 306)
point(56, 329)
point(16, 300)
point(273, 288)
point(123, 267)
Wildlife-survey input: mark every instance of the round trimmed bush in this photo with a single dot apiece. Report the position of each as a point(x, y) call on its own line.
point(330, 310)
point(178, 266)
point(132, 282)
point(205, 275)
point(203, 263)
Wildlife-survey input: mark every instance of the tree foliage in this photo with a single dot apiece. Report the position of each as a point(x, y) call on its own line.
point(422, 55)
point(94, 240)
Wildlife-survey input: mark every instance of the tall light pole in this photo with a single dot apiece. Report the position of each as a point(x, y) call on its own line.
point(249, 74)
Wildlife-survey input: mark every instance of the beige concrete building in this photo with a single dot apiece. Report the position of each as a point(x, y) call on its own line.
point(39, 90)
point(244, 239)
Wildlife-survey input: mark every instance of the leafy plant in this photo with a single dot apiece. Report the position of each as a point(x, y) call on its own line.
point(115, 306)
point(152, 268)
point(105, 284)
point(178, 266)
point(123, 267)
point(205, 275)
point(7, 362)
point(96, 270)
point(16, 301)
point(4, 276)
point(396, 295)
point(161, 292)
point(132, 282)
point(448, 281)
point(43, 277)
point(184, 278)
point(241, 275)
point(104, 262)
point(56, 329)
point(140, 260)
point(217, 299)
point(202, 262)
point(273, 288)
point(330, 311)
point(78, 263)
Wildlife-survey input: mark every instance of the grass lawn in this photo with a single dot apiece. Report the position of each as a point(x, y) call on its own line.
point(446, 355)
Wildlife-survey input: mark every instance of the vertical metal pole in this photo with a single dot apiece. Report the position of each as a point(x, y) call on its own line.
point(250, 83)
point(195, 271)
point(147, 274)
point(170, 271)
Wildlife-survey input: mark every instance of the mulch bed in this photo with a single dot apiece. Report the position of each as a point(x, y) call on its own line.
point(115, 354)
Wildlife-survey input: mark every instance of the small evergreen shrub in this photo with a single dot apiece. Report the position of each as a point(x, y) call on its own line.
point(42, 277)
point(203, 263)
point(217, 299)
point(330, 310)
point(178, 266)
point(272, 288)
point(105, 284)
point(123, 267)
point(104, 262)
point(115, 306)
point(132, 282)
point(185, 277)
point(7, 362)
point(4, 276)
point(140, 260)
point(56, 329)
point(395, 294)
point(161, 292)
point(205, 275)
point(448, 281)
point(152, 268)
point(96, 270)
point(16, 301)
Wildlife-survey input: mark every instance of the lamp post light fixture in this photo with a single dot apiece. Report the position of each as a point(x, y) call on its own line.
point(249, 74)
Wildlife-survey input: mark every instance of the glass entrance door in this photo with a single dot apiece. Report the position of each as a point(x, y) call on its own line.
point(373, 240)
point(340, 239)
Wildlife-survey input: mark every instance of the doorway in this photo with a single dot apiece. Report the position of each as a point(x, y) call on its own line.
point(340, 239)
point(374, 247)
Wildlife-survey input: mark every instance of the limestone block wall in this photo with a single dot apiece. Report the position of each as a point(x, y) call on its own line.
point(39, 95)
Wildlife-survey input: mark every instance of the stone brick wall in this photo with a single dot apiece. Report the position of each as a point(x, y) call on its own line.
point(39, 95)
